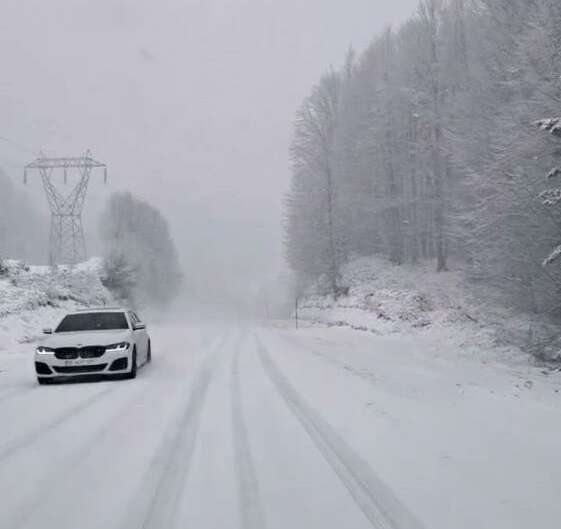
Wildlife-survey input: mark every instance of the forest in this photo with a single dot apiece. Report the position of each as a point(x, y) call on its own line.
point(438, 142)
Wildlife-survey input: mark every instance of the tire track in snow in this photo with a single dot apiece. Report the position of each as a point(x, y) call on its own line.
point(34, 436)
point(157, 501)
point(48, 485)
point(252, 514)
point(363, 374)
point(322, 356)
point(375, 498)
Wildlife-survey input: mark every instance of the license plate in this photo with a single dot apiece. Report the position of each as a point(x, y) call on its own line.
point(78, 362)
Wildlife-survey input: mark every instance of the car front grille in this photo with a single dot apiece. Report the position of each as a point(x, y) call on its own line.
point(71, 353)
point(68, 370)
point(66, 353)
point(91, 352)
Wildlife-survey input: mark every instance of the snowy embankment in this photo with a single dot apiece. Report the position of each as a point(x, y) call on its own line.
point(33, 297)
point(414, 299)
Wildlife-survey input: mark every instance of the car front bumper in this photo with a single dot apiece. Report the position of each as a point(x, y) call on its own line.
point(110, 363)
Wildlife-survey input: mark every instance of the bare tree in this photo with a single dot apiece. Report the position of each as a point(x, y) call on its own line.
point(420, 148)
point(313, 160)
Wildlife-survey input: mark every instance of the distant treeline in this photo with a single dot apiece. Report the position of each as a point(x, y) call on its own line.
point(23, 231)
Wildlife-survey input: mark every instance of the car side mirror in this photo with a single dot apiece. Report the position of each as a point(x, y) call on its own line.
point(139, 326)
point(47, 330)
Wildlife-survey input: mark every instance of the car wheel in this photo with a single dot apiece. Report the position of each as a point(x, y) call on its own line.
point(149, 353)
point(43, 380)
point(132, 373)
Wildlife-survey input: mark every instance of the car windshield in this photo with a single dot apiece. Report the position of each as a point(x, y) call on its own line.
point(93, 321)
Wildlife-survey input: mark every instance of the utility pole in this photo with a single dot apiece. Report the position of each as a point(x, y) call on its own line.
point(296, 311)
point(67, 241)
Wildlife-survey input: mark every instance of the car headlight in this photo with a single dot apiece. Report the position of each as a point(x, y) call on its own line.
point(121, 346)
point(44, 350)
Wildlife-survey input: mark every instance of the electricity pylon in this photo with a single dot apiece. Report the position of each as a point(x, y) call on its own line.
point(67, 242)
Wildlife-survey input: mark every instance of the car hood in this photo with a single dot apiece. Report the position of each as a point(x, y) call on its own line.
point(81, 339)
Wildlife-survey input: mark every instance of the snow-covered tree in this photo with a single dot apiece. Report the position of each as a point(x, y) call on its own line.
point(139, 250)
point(552, 197)
point(119, 274)
point(430, 151)
point(311, 220)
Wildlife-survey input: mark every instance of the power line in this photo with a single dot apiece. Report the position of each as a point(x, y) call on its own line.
point(17, 144)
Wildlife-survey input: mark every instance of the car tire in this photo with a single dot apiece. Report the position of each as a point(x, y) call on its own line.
point(134, 366)
point(149, 352)
point(43, 380)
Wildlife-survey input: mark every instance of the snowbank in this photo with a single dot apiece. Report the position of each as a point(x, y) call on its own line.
point(32, 297)
point(386, 299)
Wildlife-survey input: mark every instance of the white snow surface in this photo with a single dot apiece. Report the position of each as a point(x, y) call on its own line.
point(261, 427)
point(426, 422)
point(33, 297)
point(415, 300)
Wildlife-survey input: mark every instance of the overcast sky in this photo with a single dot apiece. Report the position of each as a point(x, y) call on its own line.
point(189, 102)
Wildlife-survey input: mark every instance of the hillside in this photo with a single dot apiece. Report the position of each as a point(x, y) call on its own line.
point(414, 299)
point(32, 297)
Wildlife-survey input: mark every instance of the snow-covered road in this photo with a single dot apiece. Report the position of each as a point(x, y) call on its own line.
point(257, 427)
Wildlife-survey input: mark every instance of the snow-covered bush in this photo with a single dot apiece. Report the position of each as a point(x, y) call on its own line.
point(119, 274)
point(32, 297)
point(28, 288)
point(385, 299)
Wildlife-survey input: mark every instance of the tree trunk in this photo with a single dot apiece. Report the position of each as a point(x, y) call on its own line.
point(333, 264)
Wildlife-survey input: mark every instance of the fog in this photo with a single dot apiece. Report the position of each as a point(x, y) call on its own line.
point(190, 103)
point(326, 290)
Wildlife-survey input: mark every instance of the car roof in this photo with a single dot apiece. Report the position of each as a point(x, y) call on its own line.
point(100, 309)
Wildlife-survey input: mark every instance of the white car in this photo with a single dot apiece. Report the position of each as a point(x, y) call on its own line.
point(108, 341)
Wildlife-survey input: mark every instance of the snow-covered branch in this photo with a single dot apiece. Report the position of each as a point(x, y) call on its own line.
point(551, 197)
point(551, 125)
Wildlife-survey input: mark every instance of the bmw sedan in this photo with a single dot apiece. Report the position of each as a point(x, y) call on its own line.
point(105, 341)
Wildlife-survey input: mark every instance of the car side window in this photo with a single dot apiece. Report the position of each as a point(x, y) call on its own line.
point(133, 319)
point(138, 320)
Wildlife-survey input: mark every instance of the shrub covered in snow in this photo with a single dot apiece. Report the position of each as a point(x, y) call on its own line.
point(119, 275)
point(392, 296)
point(27, 288)
point(35, 296)
point(387, 299)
